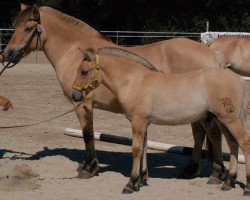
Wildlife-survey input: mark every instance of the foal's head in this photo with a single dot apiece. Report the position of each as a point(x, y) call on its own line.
point(28, 35)
point(88, 77)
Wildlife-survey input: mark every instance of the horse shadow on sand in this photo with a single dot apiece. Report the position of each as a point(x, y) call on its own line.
point(160, 165)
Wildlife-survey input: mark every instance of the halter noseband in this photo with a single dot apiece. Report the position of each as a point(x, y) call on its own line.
point(21, 52)
point(92, 84)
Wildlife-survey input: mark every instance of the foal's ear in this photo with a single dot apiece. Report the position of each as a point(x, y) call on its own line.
point(87, 55)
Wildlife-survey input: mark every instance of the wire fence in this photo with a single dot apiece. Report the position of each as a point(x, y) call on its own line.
point(125, 38)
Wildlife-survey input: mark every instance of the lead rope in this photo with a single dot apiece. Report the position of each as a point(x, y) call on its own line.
point(47, 120)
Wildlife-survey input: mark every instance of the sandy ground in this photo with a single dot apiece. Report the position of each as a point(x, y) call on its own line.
point(40, 162)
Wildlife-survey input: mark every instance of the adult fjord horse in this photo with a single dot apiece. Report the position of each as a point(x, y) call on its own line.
point(60, 35)
point(235, 52)
point(148, 96)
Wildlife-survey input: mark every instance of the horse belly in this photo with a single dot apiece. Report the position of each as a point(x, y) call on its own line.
point(178, 113)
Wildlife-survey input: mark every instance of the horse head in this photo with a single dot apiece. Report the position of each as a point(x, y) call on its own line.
point(28, 36)
point(87, 78)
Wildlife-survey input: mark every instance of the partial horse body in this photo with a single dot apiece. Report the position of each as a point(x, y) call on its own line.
point(148, 96)
point(60, 35)
point(235, 52)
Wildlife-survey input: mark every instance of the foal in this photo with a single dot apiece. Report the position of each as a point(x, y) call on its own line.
point(148, 97)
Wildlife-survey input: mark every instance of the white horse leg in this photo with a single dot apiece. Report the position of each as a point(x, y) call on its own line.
point(192, 170)
point(139, 127)
point(90, 166)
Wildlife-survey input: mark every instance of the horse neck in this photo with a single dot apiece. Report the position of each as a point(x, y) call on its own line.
point(63, 40)
point(117, 73)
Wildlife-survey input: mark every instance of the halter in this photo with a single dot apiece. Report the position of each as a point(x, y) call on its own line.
point(21, 52)
point(92, 84)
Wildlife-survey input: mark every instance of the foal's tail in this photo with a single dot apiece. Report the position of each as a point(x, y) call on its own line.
point(243, 111)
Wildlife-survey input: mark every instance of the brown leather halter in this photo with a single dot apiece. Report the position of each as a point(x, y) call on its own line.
point(37, 32)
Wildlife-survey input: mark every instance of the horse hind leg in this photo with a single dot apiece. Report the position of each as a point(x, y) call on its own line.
point(144, 165)
point(219, 173)
point(236, 129)
point(192, 170)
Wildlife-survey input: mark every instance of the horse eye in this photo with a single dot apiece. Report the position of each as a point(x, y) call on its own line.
point(28, 28)
point(85, 72)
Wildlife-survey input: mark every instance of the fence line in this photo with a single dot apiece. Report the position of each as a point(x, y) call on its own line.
point(119, 37)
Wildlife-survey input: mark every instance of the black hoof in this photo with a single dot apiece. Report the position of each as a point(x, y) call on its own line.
point(88, 170)
point(84, 174)
point(127, 190)
point(143, 183)
point(80, 167)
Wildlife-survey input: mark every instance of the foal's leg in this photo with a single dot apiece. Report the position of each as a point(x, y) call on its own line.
point(139, 126)
point(192, 170)
point(243, 139)
point(144, 164)
point(89, 167)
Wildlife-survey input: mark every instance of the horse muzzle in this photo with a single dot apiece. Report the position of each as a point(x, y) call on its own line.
point(12, 55)
point(76, 96)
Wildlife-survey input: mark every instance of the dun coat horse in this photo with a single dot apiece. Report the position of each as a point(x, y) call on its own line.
point(59, 35)
point(147, 96)
point(235, 52)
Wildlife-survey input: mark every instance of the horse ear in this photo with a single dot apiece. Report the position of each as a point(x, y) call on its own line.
point(86, 55)
point(24, 6)
point(35, 12)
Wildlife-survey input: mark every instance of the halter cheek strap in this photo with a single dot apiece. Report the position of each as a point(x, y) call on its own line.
point(92, 84)
point(37, 31)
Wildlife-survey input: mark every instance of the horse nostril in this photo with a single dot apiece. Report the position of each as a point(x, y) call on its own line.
point(10, 54)
point(76, 96)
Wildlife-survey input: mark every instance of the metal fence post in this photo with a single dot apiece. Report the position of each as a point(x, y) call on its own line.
point(1, 39)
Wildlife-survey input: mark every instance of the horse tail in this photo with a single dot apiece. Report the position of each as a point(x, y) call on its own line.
point(243, 112)
point(220, 59)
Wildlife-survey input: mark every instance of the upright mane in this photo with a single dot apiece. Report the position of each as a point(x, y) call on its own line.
point(126, 54)
point(26, 14)
point(70, 20)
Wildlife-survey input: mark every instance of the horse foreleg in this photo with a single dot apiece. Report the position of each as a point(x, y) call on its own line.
point(139, 127)
point(192, 170)
point(89, 166)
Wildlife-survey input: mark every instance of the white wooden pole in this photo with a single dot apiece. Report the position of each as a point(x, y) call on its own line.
point(170, 148)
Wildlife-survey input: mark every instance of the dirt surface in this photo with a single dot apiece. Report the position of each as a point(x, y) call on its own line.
point(40, 162)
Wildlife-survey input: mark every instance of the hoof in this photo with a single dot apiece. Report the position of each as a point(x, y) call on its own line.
point(80, 167)
point(246, 191)
point(127, 190)
point(84, 174)
point(143, 183)
point(214, 181)
point(226, 187)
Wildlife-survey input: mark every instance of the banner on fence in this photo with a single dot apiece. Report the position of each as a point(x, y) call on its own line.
point(208, 36)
